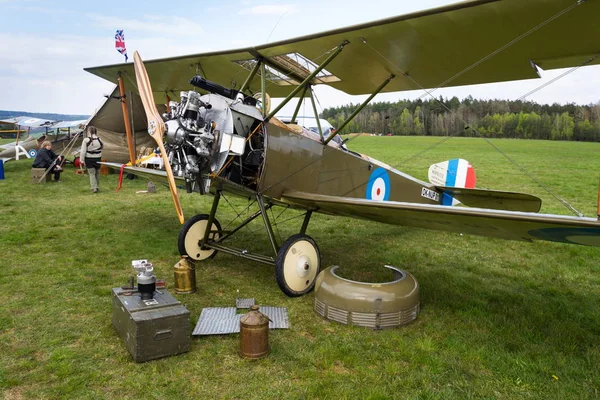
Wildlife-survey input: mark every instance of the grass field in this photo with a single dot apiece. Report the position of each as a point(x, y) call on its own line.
point(499, 320)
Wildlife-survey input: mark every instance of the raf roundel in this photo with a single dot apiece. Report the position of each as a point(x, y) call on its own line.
point(378, 187)
point(32, 153)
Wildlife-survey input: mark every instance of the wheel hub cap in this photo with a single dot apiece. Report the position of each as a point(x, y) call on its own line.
point(302, 266)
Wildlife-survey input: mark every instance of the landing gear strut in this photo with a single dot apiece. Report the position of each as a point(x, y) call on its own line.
point(297, 262)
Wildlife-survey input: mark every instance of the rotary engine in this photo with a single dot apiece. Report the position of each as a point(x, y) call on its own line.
point(202, 130)
point(191, 139)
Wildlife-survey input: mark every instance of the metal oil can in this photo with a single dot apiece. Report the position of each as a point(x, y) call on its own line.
point(254, 334)
point(185, 276)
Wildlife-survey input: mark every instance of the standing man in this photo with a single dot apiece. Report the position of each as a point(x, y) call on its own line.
point(91, 153)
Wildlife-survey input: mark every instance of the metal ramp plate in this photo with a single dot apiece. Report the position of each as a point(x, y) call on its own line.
point(225, 320)
point(217, 321)
point(244, 303)
point(277, 315)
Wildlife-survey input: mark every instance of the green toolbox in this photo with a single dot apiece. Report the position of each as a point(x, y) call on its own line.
point(151, 327)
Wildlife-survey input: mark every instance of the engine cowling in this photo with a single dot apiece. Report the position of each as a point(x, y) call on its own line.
point(201, 133)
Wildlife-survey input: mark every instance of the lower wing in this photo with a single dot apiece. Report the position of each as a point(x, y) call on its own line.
point(160, 176)
point(513, 225)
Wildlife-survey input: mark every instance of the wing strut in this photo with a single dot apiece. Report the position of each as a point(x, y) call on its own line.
point(307, 80)
point(125, 110)
point(314, 105)
point(351, 117)
point(252, 74)
point(293, 121)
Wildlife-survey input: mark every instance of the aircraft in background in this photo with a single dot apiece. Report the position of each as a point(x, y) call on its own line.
point(225, 140)
point(108, 121)
point(62, 134)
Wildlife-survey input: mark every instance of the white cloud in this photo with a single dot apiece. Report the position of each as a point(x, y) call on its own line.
point(149, 23)
point(266, 9)
point(239, 43)
point(44, 72)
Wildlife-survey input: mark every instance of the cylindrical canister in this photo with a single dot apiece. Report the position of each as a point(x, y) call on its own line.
point(146, 283)
point(185, 276)
point(254, 334)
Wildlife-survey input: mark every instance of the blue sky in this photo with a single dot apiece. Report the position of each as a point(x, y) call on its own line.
point(46, 44)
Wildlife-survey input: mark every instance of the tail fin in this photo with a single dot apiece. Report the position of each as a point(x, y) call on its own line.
point(458, 173)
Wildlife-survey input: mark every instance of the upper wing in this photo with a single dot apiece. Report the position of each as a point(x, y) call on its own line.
point(70, 124)
point(493, 223)
point(30, 122)
point(490, 40)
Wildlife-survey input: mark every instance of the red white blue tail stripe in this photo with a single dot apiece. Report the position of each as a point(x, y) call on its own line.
point(452, 173)
point(120, 43)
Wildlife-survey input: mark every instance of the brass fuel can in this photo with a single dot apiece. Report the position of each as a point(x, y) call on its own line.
point(254, 334)
point(185, 276)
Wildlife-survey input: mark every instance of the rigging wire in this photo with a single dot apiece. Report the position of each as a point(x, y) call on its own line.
point(429, 92)
point(239, 215)
point(277, 23)
point(512, 161)
point(573, 69)
point(467, 126)
point(67, 148)
point(507, 45)
point(476, 63)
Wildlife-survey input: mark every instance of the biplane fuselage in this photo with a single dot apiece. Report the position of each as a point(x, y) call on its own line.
point(299, 163)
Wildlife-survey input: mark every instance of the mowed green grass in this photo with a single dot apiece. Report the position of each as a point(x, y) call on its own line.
point(499, 320)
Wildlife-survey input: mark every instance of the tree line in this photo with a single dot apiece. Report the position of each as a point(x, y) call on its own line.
point(514, 119)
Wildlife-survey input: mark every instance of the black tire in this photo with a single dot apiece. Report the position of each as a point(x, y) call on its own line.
point(192, 233)
point(297, 265)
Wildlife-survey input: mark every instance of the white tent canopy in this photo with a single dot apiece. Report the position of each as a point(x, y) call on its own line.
point(109, 122)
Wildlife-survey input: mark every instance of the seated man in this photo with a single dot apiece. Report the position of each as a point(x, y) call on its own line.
point(46, 158)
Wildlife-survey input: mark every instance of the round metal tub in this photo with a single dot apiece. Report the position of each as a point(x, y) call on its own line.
point(373, 305)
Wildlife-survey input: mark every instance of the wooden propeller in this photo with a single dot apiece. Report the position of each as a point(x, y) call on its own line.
point(156, 126)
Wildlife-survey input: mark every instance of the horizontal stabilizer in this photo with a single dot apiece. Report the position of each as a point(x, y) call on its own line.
point(494, 199)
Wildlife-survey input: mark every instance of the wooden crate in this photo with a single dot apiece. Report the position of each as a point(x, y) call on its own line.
point(151, 328)
point(37, 173)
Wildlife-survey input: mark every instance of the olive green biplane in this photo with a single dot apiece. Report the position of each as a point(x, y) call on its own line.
point(220, 135)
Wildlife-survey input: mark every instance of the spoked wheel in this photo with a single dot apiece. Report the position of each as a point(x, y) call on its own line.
point(297, 265)
point(191, 235)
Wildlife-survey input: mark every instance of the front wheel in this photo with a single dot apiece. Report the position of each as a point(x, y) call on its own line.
point(190, 237)
point(297, 265)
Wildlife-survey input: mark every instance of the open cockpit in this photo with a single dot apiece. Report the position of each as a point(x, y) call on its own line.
point(222, 133)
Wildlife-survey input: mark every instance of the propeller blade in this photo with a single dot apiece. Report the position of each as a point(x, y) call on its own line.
point(156, 126)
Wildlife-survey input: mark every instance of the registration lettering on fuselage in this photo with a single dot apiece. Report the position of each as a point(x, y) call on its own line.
point(430, 194)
